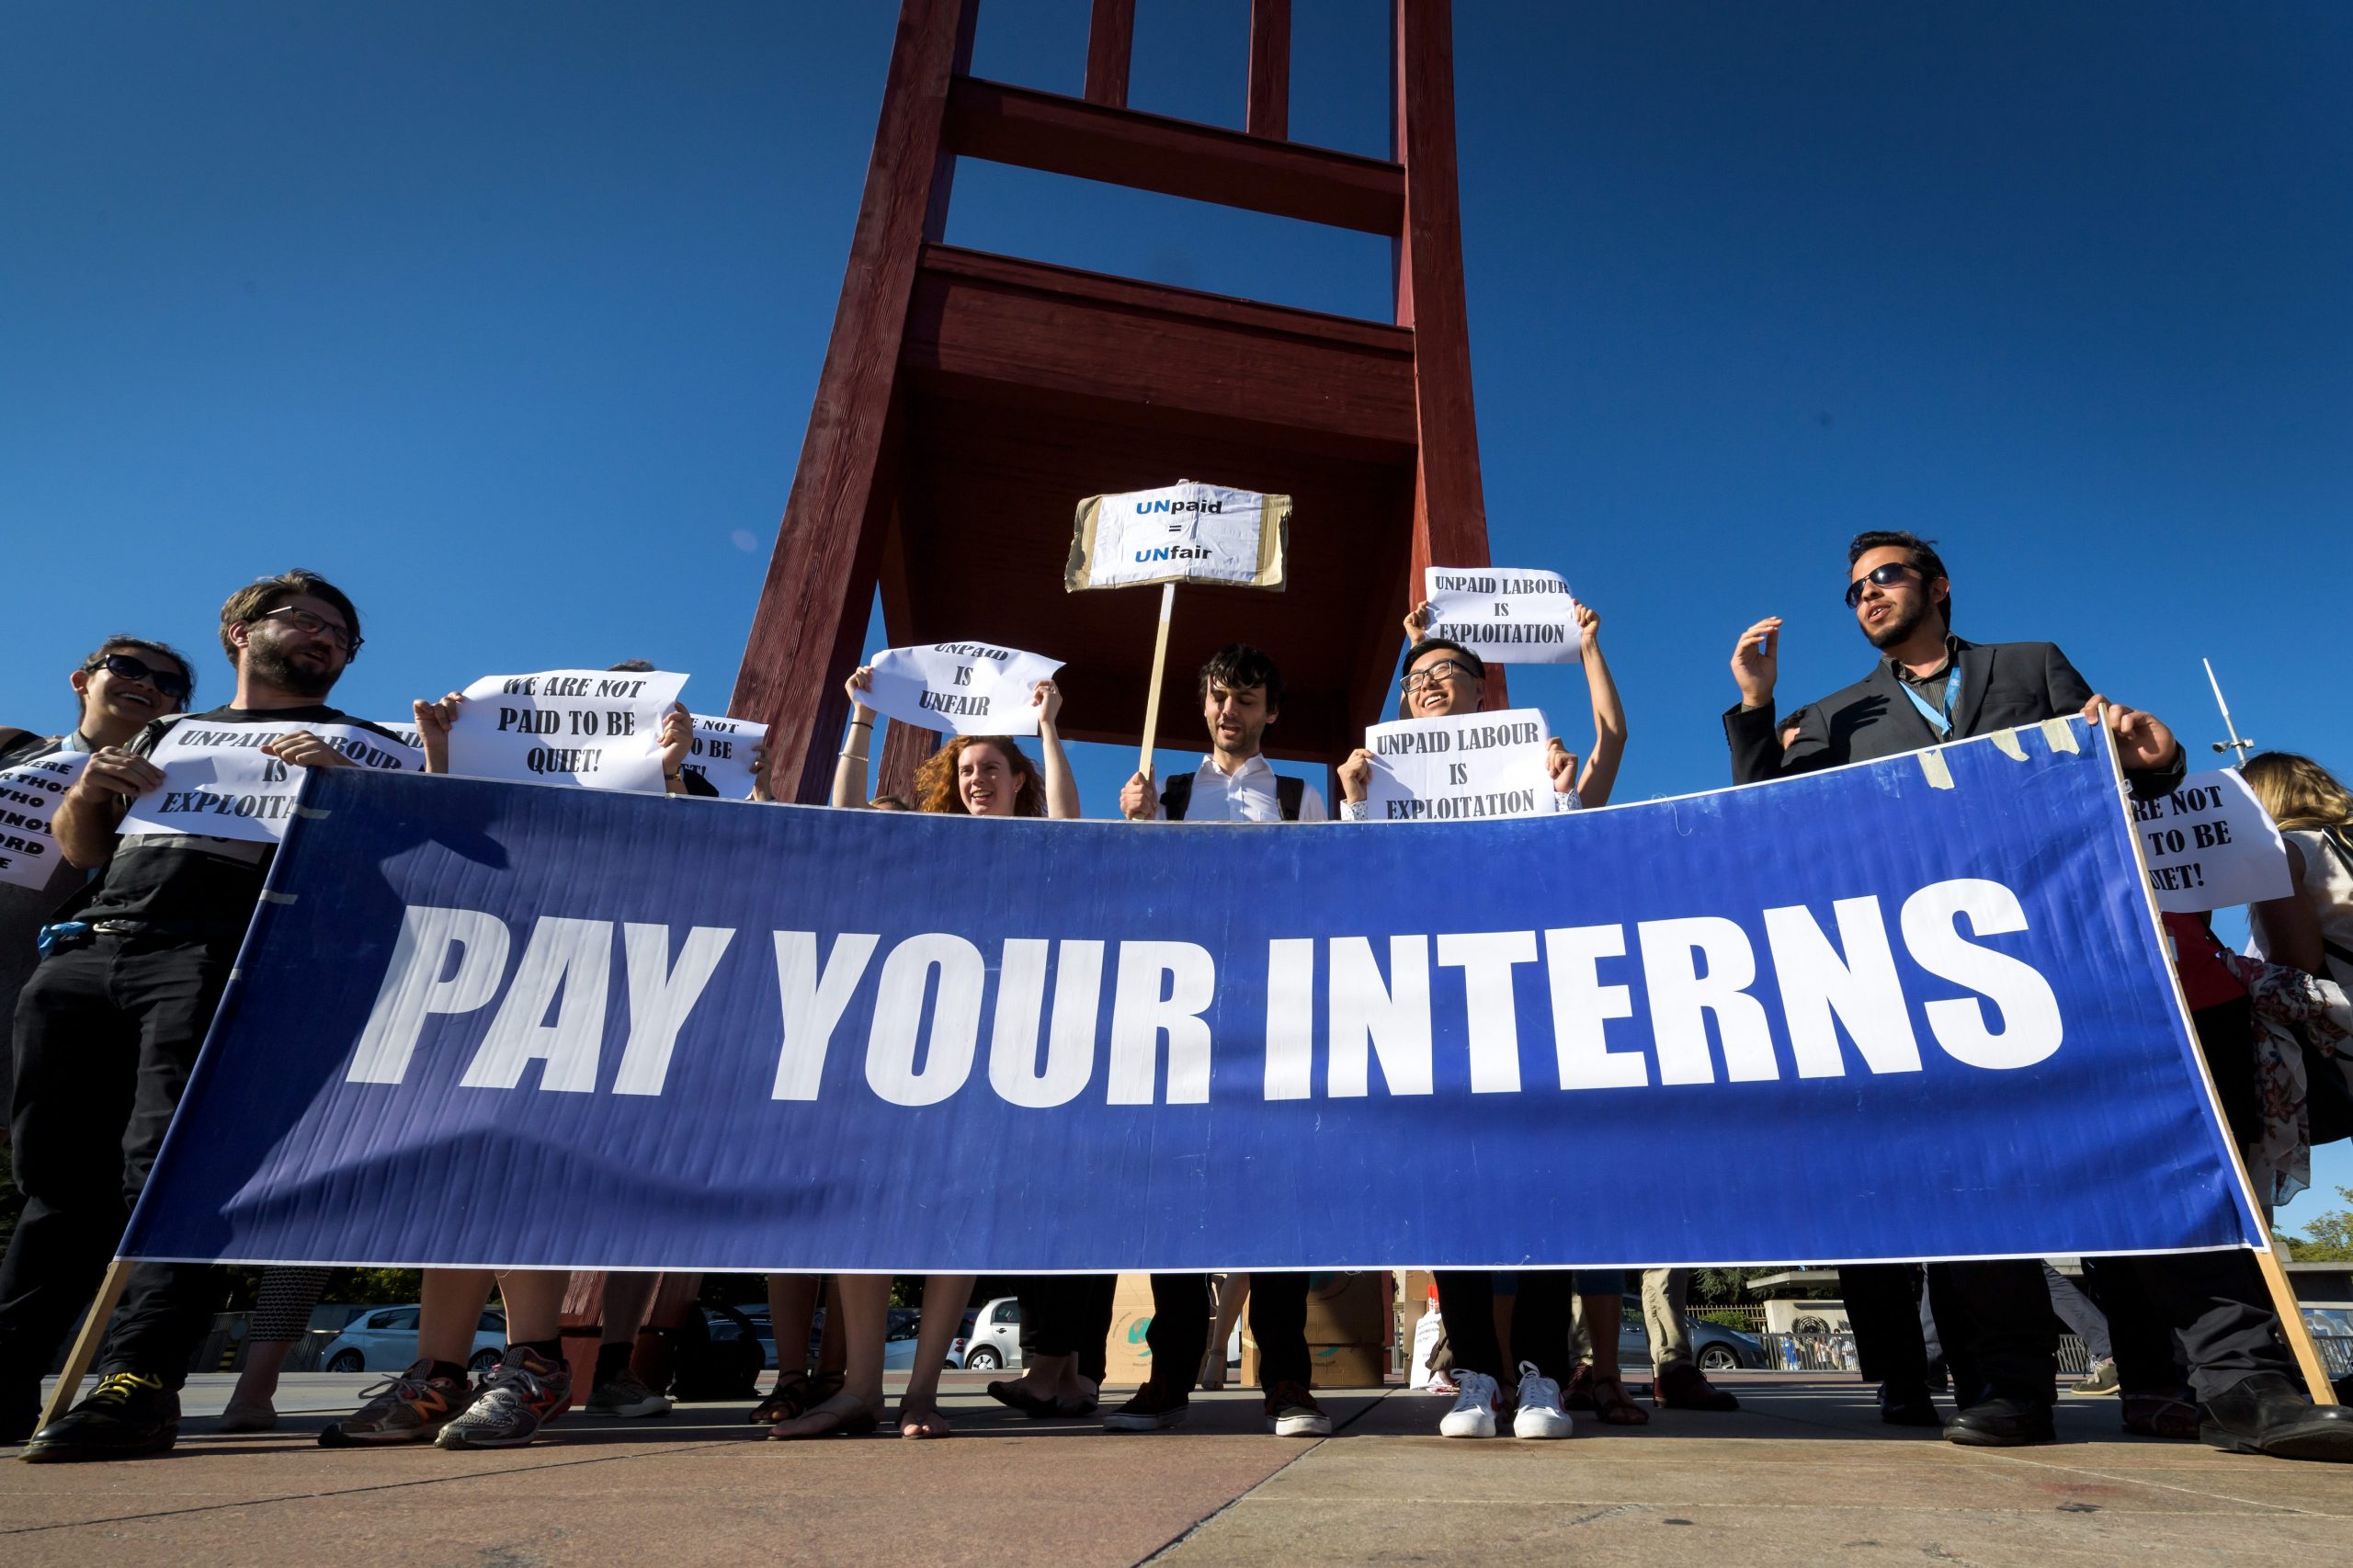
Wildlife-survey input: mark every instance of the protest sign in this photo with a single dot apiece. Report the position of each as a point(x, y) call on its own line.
point(965, 688)
point(1465, 767)
point(1507, 615)
point(29, 794)
point(219, 782)
point(408, 734)
point(553, 1028)
point(598, 728)
point(2210, 844)
point(1186, 533)
point(721, 754)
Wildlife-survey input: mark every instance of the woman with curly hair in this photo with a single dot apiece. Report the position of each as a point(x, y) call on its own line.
point(981, 775)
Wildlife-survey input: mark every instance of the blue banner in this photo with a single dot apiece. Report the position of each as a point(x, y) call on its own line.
point(1911, 1009)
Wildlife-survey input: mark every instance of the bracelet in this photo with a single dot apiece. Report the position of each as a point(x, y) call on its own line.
point(861, 723)
point(673, 778)
point(852, 756)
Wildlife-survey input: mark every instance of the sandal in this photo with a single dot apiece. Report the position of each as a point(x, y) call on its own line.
point(2160, 1415)
point(795, 1396)
point(1578, 1393)
point(915, 1422)
point(1614, 1407)
point(848, 1417)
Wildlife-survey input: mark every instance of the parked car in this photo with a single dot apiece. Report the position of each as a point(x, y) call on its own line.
point(993, 1336)
point(384, 1339)
point(1715, 1347)
point(898, 1339)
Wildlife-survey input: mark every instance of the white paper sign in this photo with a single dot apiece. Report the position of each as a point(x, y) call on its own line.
point(721, 757)
point(1187, 533)
point(1507, 615)
point(965, 688)
point(598, 728)
point(406, 730)
point(1467, 767)
point(30, 795)
point(2210, 844)
point(220, 783)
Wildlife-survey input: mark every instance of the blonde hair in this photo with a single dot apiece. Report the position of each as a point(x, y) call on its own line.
point(2298, 792)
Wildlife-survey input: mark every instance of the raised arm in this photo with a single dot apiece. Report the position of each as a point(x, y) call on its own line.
point(87, 818)
point(850, 769)
point(1062, 788)
point(1609, 715)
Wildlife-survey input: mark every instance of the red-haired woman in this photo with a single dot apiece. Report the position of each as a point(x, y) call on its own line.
point(982, 776)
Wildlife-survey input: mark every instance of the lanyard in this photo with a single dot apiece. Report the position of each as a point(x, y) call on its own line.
point(1939, 719)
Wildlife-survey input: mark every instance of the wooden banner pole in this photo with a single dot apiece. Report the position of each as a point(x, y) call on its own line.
point(1159, 665)
point(86, 1344)
point(2267, 1261)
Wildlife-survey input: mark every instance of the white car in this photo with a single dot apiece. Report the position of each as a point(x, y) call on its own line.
point(384, 1339)
point(995, 1339)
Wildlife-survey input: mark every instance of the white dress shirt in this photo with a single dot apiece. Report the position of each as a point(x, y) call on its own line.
point(1247, 795)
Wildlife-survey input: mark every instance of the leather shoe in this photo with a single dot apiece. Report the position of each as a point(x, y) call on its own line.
point(1907, 1405)
point(2004, 1422)
point(2269, 1414)
point(1684, 1387)
point(128, 1414)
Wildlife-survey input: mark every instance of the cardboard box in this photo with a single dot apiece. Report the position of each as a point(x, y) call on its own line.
point(1127, 1359)
point(1328, 1365)
point(1348, 1309)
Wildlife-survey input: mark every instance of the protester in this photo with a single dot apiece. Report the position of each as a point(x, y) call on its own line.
point(1241, 693)
point(282, 1316)
point(1928, 687)
point(432, 1401)
point(2313, 931)
point(121, 688)
point(109, 1026)
point(1676, 1381)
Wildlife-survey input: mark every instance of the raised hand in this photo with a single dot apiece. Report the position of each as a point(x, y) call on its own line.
point(1417, 621)
point(1046, 699)
point(2143, 740)
point(678, 738)
point(1136, 802)
point(1562, 764)
point(1757, 663)
point(1356, 775)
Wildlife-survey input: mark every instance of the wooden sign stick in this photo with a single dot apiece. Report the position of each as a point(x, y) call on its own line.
point(86, 1344)
point(1159, 665)
point(2290, 1312)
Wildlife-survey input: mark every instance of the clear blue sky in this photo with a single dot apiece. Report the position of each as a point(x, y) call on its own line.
point(507, 316)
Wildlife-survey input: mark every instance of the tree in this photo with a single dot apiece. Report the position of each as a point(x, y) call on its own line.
point(2328, 1239)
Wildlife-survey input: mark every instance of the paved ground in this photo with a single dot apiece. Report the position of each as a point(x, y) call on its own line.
point(1804, 1474)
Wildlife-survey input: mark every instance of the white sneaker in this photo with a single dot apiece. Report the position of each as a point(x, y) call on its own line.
point(1473, 1414)
point(1540, 1415)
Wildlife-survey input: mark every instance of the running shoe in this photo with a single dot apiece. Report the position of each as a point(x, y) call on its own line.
point(522, 1394)
point(626, 1396)
point(1473, 1414)
point(1539, 1413)
point(406, 1409)
point(1291, 1411)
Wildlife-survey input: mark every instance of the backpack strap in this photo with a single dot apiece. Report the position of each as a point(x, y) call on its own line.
point(1177, 796)
point(1289, 794)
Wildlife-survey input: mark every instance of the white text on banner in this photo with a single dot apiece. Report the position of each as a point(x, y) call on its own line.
point(598, 728)
point(1469, 768)
point(1507, 615)
point(965, 688)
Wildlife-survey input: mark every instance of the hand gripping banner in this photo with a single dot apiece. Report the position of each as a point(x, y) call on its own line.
point(1911, 1009)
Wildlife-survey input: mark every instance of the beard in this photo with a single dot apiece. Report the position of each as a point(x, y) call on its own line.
point(267, 656)
point(1896, 627)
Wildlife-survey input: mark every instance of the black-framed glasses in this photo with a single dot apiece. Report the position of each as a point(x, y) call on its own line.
point(1430, 675)
point(1886, 576)
point(317, 626)
point(122, 664)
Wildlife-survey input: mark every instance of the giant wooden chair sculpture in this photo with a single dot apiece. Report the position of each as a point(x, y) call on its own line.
point(969, 400)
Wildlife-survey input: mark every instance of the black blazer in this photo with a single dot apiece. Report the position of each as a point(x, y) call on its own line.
point(2003, 685)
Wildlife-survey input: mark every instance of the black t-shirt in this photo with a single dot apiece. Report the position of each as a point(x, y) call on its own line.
point(182, 885)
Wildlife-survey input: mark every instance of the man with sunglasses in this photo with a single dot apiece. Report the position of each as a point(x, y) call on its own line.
point(109, 1023)
point(121, 688)
point(1994, 1318)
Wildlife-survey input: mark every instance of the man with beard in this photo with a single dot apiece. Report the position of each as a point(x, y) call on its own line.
point(1994, 1318)
point(109, 1023)
point(1242, 693)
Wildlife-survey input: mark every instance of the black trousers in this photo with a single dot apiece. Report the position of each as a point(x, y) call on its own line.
point(1179, 1332)
point(105, 1035)
point(1539, 1323)
point(1069, 1315)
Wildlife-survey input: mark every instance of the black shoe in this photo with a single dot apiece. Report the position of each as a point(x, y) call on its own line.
point(1902, 1404)
point(1939, 1377)
point(2269, 1414)
point(129, 1414)
point(2002, 1423)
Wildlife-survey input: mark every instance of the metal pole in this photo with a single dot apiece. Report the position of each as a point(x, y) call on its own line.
point(2236, 745)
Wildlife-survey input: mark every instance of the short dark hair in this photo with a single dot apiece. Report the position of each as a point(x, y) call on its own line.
point(141, 645)
point(1432, 645)
point(263, 595)
point(631, 667)
point(1238, 664)
point(1921, 553)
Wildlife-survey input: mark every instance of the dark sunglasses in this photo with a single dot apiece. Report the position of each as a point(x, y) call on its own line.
point(1886, 576)
point(123, 664)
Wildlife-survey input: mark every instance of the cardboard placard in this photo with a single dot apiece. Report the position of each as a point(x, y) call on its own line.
point(1507, 615)
point(1186, 533)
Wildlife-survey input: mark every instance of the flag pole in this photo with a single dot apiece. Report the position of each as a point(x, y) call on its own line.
point(1159, 665)
point(2236, 745)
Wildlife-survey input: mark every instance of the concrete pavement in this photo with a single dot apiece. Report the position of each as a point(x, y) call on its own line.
point(1805, 1473)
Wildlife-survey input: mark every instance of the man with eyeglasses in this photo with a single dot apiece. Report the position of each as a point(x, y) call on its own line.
point(121, 688)
point(109, 1023)
point(1994, 1318)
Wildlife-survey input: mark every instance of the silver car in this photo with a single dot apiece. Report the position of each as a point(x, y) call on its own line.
point(995, 1339)
point(384, 1339)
